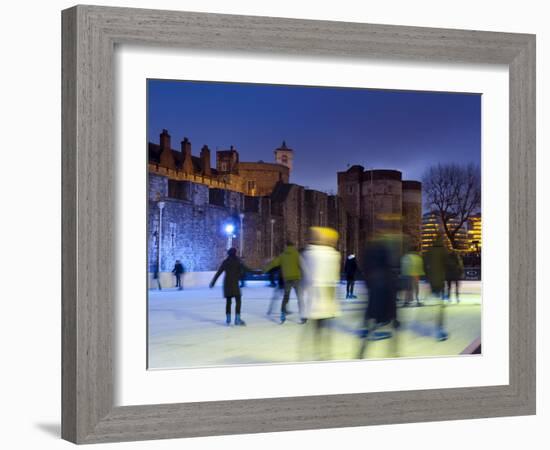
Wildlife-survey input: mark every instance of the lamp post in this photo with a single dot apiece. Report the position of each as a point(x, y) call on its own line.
point(241, 232)
point(272, 221)
point(159, 245)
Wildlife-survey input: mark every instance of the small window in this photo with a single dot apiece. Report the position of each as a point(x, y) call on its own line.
point(350, 189)
point(284, 159)
point(251, 186)
point(223, 166)
point(177, 189)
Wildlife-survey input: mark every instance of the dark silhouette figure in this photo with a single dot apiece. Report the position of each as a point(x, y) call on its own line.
point(233, 268)
point(435, 263)
point(454, 271)
point(382, 283)
point(178, 271)
point(350, 269)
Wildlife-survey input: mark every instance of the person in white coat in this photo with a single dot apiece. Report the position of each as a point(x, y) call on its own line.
point(321, 268)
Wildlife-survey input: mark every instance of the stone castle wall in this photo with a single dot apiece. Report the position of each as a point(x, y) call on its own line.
point(187, 235)
point(194, 216)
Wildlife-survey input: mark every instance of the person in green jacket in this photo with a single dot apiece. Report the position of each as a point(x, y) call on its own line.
point(289, 262)
point(412, 268)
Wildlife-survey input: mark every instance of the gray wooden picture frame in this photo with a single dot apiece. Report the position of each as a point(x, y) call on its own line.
point(90, 34)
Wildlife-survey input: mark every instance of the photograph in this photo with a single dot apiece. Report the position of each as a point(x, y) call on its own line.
point(292, 224)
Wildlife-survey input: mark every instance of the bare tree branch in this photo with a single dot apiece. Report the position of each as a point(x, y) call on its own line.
point(453, 192)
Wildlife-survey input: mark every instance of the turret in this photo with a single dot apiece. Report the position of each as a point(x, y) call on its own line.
point(284, 155)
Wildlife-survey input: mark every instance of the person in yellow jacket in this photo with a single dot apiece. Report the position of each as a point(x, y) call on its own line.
point(289, 263)
point(321, 267)
point(412, 268)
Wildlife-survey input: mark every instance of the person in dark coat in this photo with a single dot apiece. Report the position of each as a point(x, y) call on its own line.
point(454, 272)
point(178, 271)
point(233, 268)
point(350, 269)
point(382, 282)
point(435, 263)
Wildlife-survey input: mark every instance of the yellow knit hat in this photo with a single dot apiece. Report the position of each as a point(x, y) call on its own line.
point(324, 236)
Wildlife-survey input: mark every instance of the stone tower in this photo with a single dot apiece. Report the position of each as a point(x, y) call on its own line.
point(381, 202)
point(284, 155)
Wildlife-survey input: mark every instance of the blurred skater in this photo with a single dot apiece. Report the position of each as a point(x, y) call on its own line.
point(454, 272)
point(435, 263)
point(350, 269)
point(278, 285)
point(321, 265)
point(233, 268)
point(412, 268)
point(289, 262)
point(382, 282)
point(178, 271)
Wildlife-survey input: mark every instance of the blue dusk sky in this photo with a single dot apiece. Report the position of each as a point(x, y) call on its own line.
point(329, 129)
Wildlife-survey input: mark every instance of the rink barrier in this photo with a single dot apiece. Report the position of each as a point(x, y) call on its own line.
point(190, 279)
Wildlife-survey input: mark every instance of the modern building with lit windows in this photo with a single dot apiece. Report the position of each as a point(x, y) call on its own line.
point(432, 227)
point(474, 234)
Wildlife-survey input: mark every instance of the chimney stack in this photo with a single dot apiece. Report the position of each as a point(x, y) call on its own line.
point(205, 160)
point(164, 140)
point(187, 164)
point(166, 158)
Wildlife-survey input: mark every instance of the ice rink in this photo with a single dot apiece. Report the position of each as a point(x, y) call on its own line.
point(187, 328)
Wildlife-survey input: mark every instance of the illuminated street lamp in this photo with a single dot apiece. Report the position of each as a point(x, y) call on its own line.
point(229, 230)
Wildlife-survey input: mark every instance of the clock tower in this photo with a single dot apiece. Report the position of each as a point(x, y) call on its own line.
point(284, 155)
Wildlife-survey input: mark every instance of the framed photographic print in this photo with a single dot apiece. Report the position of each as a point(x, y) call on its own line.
point(260, 216)
point(250, 199)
